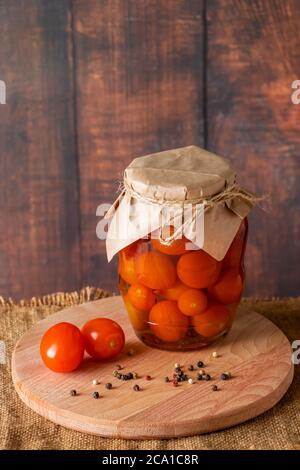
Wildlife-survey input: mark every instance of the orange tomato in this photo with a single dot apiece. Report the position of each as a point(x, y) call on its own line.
point(167, 322)
point(126, 267)
point(192, 302)
point(177, 247)
point(229, 287)
point(138, 318)
point(173, 292)
point(212, 322)
point(155, 270)
point(198, 269)
point(141, 297)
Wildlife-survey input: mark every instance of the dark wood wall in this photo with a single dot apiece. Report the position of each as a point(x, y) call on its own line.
point(93, 83)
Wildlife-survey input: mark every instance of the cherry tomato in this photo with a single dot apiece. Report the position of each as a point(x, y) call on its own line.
point(103, 338)
point(141, 297)
point(198, 269)
point(167, 322)
point(126, 266)
point(174, 292)
point(177, 247)
point(192, 302)
point(155, 270)
point(213, 321)
point(62, 347)
point(228, 288)
point(138, 318)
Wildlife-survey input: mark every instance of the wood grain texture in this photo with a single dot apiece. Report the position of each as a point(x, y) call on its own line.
point(252, 59)
point(39, 249)
point(113, 79)
point(139, 69)
point(256, 352)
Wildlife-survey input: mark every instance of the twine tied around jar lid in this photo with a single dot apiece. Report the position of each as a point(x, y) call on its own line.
point(228, 194)
point(189, 176)
point(231, 190)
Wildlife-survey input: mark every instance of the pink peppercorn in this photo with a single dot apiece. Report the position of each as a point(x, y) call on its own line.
point(147, 377)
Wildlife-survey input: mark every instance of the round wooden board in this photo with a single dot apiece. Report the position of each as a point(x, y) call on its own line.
point(256, 352)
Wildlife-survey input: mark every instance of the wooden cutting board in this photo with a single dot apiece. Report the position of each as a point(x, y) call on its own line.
point(256, 352)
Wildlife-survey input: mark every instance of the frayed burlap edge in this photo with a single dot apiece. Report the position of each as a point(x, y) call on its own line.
point(61, 299)
point(20, 428)
point(88, 294)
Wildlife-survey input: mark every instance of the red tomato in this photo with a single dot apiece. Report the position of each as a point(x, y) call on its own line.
point(103, 338)
point(62, 347)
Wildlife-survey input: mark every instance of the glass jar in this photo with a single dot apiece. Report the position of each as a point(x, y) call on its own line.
point(179, 298)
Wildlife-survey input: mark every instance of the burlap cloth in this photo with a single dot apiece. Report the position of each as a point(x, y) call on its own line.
point(21, 428)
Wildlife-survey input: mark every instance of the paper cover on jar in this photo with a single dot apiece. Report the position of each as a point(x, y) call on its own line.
point(194, 188)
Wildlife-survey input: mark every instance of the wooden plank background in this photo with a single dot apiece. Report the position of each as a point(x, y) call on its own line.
point(90, 85)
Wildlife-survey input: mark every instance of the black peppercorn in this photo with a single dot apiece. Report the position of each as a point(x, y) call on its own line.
point(119, 376)
point(224, 376)
point(73, 393)
point(214, 388)
point(108, 386)
point(166, 379)
point(191, 367)
point(130, 375)
point(199, 376)
point(136, 388)
point(96, 395)
point(200, 364)
point(207, 377)
point(177, 370)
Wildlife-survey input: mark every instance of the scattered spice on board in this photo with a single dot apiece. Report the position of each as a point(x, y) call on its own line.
point(178, 376)
point(73, 393)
